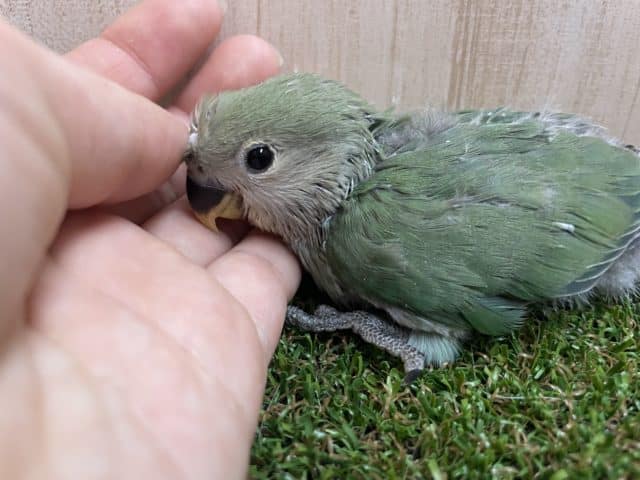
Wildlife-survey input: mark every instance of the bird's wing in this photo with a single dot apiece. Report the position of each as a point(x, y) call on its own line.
point(489, 216)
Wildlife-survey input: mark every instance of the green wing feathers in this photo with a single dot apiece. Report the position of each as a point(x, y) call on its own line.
point(490, 214)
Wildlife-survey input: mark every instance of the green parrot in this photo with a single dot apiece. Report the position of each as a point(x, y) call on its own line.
point(424, 228)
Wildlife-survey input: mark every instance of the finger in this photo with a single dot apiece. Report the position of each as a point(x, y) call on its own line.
point(142, 208)
point(152, 47)
point(263, 275)
point(238, 62)
point(176, 226)
point(70, 139)
point(104, 142)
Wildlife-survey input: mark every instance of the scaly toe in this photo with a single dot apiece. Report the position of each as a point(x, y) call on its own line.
point(325, 311)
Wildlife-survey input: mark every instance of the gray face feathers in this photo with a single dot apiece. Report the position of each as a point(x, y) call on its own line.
point(292, 147)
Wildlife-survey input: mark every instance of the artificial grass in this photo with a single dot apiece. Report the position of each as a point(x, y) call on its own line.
point(558, 399)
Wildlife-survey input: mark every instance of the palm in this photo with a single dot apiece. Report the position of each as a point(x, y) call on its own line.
point(124, 323)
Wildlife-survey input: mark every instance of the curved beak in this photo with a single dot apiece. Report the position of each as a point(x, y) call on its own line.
point(210, 202)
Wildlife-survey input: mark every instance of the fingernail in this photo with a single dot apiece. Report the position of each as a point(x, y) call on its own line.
point(223, 6)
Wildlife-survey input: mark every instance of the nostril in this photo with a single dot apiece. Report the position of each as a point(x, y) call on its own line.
point(188, 156)
point(191, 160)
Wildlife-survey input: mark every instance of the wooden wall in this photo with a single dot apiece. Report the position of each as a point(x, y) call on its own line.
point(573, 55)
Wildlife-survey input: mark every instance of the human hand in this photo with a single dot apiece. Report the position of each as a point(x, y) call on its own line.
point(134, 345)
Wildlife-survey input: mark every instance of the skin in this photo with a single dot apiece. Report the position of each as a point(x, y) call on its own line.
point(134, 341)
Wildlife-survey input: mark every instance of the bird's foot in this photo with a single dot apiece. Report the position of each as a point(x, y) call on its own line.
point(373, 329)
point(323, 319)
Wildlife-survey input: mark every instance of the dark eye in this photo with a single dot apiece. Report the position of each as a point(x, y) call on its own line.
point(259, 158)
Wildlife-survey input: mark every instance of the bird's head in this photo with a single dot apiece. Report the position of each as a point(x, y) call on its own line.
point(283, 154)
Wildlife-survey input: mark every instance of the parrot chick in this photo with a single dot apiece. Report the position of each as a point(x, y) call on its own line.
point(426, 228)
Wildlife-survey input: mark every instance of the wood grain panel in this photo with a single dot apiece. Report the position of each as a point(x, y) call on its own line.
point(572, 55)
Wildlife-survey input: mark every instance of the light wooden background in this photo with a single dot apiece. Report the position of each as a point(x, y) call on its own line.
point(574, 55)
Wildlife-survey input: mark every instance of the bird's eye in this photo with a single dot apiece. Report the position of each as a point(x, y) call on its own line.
point(259, 158)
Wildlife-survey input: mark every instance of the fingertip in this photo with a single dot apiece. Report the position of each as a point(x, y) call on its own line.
point(272, 250)
point(181, 114)
point(260, 60)
point(262, 274)
point(152, 46)
point(238, 62)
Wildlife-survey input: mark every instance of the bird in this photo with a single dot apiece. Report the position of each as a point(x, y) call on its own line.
point(424, 228)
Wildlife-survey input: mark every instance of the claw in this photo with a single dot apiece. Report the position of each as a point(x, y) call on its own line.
point(411, 376)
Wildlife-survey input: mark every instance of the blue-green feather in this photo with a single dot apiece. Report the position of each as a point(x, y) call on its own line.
point(469, 224)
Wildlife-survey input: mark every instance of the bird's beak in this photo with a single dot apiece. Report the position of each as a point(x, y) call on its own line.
point(210, 202)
